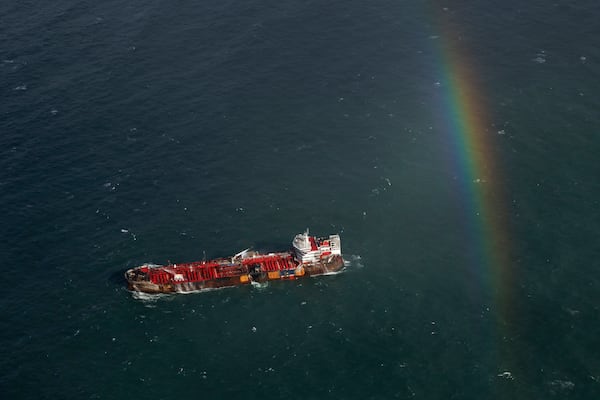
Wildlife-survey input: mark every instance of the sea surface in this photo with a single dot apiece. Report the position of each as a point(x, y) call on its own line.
point(454, 146)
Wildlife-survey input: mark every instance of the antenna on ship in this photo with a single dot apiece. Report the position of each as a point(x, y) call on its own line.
point(203, 255)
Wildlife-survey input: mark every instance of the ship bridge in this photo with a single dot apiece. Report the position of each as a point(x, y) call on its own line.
point(310, 249)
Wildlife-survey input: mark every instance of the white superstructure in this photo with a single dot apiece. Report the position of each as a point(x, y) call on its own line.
point(309, 249)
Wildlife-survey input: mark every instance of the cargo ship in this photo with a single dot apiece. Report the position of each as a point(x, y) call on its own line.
point(309, 256)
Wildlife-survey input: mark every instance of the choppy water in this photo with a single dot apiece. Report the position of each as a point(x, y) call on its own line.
point(165, 130)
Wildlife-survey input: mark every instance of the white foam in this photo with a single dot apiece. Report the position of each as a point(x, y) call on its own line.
point(562, 384)
point(540, 57)
point(259, 285)
point(355, 261)
point(148, 297)
point(333, 272)
point(506, 375)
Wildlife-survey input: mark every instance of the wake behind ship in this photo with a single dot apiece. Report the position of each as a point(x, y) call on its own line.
point(309, 256)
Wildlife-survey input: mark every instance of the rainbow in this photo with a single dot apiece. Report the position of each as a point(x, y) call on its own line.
point(467, 122)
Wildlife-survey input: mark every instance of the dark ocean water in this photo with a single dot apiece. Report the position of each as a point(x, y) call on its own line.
point(135, 131)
